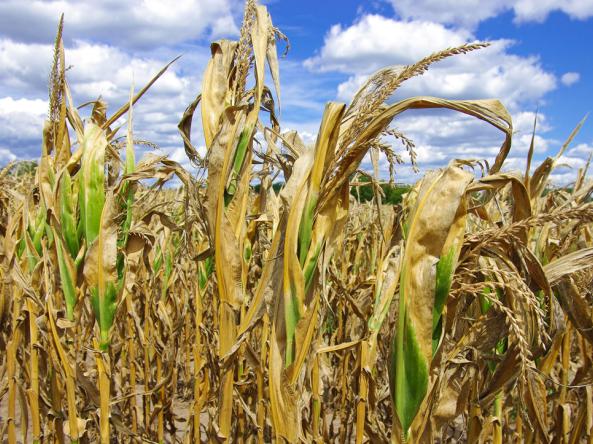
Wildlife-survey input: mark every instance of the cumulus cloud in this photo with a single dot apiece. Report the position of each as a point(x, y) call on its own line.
point(570, 78)
point(128, 24)
point(108, 46)
point(582, 150)
point(24, 68)
point(6, 156)
point(469, 13)
point(459, 136)
point(569, 164)
point(96, 69)
point(10, 106)
point(520, 82)
point(571, 161)
point(21, 123)
point(538, 11)
point(442, 137)
point(375, 41)
point(102, 65)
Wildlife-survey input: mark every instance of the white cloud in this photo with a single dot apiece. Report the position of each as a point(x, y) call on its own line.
point(441, 136)
point(425, 26)
point(106, 70)
point(94, 63)
point(109, 45)
point(96, 70)
point(469, 13)
point(21, 124)
point(582, 150)
point(563, 176)
point(466, 13)
point(570, 78)
point(9, 106)
point(375, 41)
point(24, 68)
point(569, 164)
point(538, 11)
point(133, 23)
point(6, 156)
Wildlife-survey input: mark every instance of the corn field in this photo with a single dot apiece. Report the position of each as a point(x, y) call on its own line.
point(144, 302)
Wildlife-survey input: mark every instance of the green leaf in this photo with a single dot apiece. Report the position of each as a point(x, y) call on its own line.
point(67, 215)
point(91, 181)
point(104, 307)
point(100, 270)
point(67, 277)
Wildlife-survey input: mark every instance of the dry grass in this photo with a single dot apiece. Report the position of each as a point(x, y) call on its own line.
point(214, 313)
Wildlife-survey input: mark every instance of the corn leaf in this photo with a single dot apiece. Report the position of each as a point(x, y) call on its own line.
point(431, 222)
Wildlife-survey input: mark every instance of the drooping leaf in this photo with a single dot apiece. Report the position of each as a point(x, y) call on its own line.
point(435, 223)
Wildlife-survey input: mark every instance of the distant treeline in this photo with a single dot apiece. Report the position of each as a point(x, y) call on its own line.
point(393, 193)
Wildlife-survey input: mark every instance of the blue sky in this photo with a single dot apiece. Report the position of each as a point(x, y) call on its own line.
point(539, 59)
